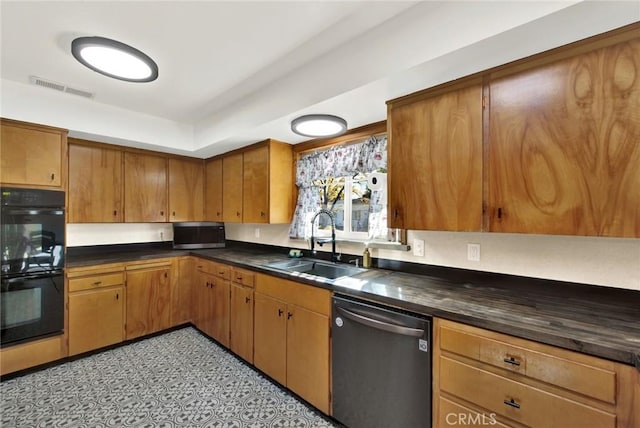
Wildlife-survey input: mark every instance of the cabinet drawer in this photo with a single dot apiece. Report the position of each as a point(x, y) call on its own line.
point(96, 281)
point(574, 376)
point(517, 401)
point(244, 277)
point(309, 297)
point(216, 269)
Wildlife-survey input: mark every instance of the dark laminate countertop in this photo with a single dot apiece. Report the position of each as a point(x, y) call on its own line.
point(599, 321)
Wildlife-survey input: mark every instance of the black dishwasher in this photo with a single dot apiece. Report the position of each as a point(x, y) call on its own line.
point(381, 365)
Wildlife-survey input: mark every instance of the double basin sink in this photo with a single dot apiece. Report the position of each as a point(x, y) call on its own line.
point(316, 268)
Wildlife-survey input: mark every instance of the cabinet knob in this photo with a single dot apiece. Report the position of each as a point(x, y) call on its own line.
point(395, 213)
point(289, 315)
point(262, 214)
point(53, 177)
point(280, 312)
point(117, 296)
point(218, 213)
point(238, 213)
point(162, 213)
point(174, 213)
point(499, 213)
point(247, 299)
point(115, 212)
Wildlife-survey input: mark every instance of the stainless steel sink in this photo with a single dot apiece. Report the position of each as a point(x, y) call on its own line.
point(317, 268)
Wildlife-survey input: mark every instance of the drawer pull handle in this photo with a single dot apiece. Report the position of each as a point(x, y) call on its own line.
point(97, 283)
point(512, 403)
point(221, 273)
point(280, 312)
point(289, 315)
point(511, 360)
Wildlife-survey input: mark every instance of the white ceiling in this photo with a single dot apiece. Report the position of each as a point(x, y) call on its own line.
point(233, 73)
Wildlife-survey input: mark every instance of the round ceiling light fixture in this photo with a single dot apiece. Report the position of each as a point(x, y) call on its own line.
point(319, 125)
point(114, 59)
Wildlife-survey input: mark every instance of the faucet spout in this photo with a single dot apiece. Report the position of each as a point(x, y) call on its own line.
point(333, 233)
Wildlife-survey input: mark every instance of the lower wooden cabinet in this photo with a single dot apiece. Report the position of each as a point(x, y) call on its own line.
point(241, 315)
point(96, 307)
point(291, 337)
point(148, 298)
point(212, 299)
point(482, 376)
point(32, 354)
point(184, 272)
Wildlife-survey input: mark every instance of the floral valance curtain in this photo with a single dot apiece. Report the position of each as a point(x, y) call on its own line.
point(338, 161)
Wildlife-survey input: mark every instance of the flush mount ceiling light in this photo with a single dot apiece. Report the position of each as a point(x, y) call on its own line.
point(319, 125)
point(114, 59)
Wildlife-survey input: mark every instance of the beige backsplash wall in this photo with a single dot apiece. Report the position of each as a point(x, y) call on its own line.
point(611, 262)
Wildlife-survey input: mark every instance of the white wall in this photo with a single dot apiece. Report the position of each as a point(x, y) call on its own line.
point(117, 233)
point(612, 262)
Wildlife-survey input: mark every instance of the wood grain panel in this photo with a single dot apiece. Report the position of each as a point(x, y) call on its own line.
point(148, 301)
point(213, 190)
point(255, 185)
point(532, 406)
point(186, 190)
point(564, 153)
point(95, 185)
point(27, 355)
point(281, 182)
point(308, 355)
point(435, 162)
point(232, 174)
point(182, 288)
point(31, 155)
point(270, 337)
point(244, 277)
point(219, 306)
point(309, 297)
point(145, 188)
point(96, 319)
point(241, 322)
point(96, 281)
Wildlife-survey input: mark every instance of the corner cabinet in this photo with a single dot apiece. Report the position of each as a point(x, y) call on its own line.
point(291, 337)
point(95, 183)
point(495, 379)
point(145, 188)
point(564, 156)
point(435, 159)
point(186, 189)
point(32, 155)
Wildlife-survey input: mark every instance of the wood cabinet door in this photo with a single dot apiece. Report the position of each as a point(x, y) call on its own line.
point(241, 322)
point(435, 162)
point(199, 303)
point(564, 153)
point(95, 185)
point(96, 319)
point(213, 190)
point(308, 355)
point(232, 188)
point(145, 188)
point(255, 185)
point(181, 298)
point(148, 301)
point(186, 190)
point(30, 156)
point(270, 337)
point(219, 306)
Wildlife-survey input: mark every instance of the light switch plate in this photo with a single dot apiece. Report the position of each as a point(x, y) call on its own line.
point(418, 247)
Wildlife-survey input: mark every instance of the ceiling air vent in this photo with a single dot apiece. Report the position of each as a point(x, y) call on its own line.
point(38, 81)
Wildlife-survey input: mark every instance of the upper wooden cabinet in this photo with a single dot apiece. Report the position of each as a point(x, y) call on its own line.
point(213, 190)
point(32, 155)
point(564, 152)
point(435, 160)
point(186, 189)
point(145, 188)
point(232, 188)
point(95, 184)
point(267, 183)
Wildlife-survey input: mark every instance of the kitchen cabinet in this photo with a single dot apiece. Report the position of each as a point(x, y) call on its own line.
point(95, 184)
point(563, 154)
point(32, 354)
point(32, 155)
point(145, 188)
point(184, 269)
point(435, 159)
point(213, 190)
point(148, 297)
point(267, 183)
point(520, 382)
point(291, 337)
point(186, 189)
point(96, 307)
point(241, 314)
point(213, 299)
point(232, 188)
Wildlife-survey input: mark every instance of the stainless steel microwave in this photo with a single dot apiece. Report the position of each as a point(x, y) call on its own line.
point(198, 234)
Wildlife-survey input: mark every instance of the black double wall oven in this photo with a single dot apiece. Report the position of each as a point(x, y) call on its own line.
point(33, 248)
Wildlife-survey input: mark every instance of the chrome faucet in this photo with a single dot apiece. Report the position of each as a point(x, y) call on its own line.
point(334, 258)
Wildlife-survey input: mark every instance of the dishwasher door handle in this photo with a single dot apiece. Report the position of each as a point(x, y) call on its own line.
point(381, 325)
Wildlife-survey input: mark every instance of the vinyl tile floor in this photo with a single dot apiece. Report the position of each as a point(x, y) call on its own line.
point(178, 379)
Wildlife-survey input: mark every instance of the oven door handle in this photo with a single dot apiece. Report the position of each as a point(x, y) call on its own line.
point(381, 325)
point(37, 211)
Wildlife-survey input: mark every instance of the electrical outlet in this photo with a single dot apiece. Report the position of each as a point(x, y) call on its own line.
point(257, 232)
point(418, 247)
point(473, 252)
